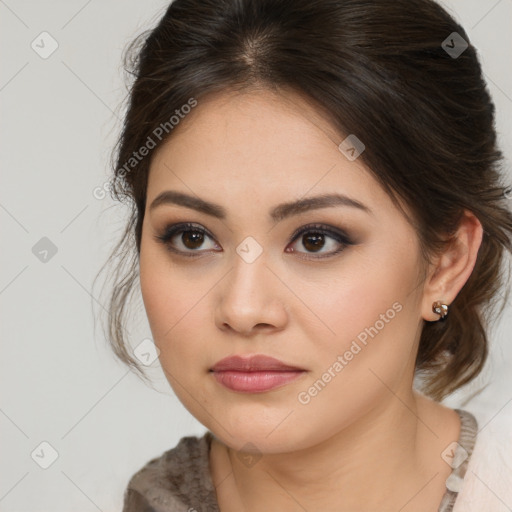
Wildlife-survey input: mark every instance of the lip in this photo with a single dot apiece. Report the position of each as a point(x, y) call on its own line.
point(254, 374)
point(253, 363)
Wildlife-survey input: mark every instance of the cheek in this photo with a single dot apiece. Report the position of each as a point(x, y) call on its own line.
point(373, 320)
point(175, 307)
point(161, 293)
point(366, 301)
point(365, 363)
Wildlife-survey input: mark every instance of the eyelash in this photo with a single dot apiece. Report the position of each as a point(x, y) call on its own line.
point(172, 230)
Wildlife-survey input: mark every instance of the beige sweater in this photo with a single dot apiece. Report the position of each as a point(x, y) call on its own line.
point(180, 481)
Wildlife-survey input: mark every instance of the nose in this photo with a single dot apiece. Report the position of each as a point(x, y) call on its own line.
point(250, 299)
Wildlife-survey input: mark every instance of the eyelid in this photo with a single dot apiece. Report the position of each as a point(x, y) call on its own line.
point(336, 233)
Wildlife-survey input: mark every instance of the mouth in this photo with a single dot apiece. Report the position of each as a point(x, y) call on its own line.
point(254, 374)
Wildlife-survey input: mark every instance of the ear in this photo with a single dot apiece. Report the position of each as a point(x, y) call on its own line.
point(451, 269)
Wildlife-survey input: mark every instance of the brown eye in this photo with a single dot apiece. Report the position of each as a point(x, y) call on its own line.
point(192, 239)
point(315, 238)
point(186, 239)
point(313, 242)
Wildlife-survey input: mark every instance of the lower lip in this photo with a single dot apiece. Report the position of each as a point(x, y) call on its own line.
point(255, 382)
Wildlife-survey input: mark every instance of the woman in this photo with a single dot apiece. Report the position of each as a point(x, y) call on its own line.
point(320, 225)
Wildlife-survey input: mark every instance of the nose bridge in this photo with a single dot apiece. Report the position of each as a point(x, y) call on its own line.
point(248, 296)
point(248, 278)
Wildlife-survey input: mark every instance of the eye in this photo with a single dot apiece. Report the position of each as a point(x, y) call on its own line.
point(317, 237)
point(186, 239)
point(189, 238)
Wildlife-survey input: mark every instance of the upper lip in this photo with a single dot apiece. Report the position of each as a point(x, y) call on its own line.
point(254, 363)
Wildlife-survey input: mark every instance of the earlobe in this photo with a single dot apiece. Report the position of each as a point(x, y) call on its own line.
point(452, 269)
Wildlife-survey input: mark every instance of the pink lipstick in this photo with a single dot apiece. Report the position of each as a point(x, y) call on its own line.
point(254, 374)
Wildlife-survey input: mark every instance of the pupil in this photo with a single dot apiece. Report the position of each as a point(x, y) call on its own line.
point(315, 241)
point(192, 239)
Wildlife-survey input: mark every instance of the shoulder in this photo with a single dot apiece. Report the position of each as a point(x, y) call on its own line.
point(489, 472)
point(176, 481)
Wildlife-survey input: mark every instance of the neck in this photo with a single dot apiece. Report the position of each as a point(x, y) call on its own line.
point(380, 459)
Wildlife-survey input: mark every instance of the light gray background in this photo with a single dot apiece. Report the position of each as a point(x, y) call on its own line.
point(60, 383)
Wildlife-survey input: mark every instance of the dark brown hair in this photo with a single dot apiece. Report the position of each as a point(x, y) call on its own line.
point(376, 69)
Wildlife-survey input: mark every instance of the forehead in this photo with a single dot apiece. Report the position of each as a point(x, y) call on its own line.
point(253, 124)
point(257, 149)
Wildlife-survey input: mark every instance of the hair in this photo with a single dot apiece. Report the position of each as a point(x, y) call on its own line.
point(376, 69)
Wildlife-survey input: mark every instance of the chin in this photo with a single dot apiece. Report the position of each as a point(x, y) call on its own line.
point(253, 430)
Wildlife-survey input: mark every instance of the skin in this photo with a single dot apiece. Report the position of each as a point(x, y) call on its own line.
point(366, 441)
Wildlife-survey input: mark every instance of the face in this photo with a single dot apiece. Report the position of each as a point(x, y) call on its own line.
point(330, 289)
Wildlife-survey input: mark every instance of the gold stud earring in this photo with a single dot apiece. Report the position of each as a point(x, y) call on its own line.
point(440, 309)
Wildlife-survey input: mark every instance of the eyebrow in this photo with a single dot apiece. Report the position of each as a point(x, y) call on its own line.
point(278, 213)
